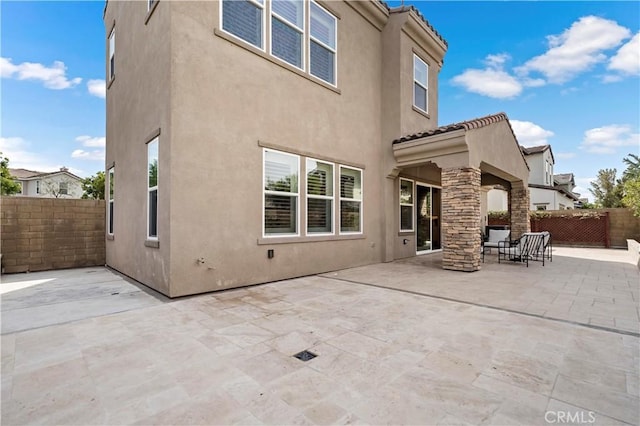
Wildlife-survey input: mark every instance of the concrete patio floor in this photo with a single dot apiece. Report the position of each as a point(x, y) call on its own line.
point(384, 356)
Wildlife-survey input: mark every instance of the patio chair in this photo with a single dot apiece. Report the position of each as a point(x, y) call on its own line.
point(495, 236)
point(528, 247)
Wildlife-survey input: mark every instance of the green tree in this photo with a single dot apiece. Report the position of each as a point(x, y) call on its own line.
point(8, 185)
point(93, 186)
point(606, 189)
point(631, 184)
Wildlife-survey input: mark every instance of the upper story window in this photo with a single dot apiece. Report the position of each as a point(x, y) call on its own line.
point(245, 20)
point(322, 44)
point(295, 28)
point(420, 84)
point(112, 54)
point(287, 31)
point(63, 188)
point(150, 4)
point(37, 187)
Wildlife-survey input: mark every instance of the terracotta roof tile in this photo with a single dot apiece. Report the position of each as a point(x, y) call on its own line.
point(401, 9)
point(476, 123)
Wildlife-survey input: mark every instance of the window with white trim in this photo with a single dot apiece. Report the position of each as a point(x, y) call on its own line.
point(37, 187)
point(287, 31)
point(406, 205)
point(152, 189)
point(63, 188)
point(150, 4)
point(245, 20)
point(350, 200)
point(281, 193)
point(322, 43)
point(112, 54)
point(319, 197)
point(420, 84)
point(111, 183)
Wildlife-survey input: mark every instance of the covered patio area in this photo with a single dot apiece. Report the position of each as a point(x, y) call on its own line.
point(469, 156)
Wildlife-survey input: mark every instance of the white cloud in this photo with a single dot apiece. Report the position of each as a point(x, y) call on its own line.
point(96, 155)
point(53, 77)
point(611, 78)
point(606, 139)
point(20, 156)
point(577, 49)
point(565, 155)
point(530, 134)
point(92, 142)
point(97, 88)
point(492, 81)
point(627, 59)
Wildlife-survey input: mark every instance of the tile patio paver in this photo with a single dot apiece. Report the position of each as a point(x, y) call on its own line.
point(384, 357)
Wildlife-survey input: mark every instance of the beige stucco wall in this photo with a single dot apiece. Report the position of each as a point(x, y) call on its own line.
point(218, 103)
point(138, 103)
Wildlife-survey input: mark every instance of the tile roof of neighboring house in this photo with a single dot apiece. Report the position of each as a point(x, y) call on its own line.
point(476, 123)
point(401, 9)
point(31, 174)
point(571, 195)
point(563, 178)
point(528, 150)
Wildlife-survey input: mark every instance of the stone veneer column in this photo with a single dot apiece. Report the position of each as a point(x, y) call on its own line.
point(519, 206)
point(461, 219)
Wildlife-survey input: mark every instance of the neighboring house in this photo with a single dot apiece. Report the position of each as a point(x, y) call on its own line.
point(60, 184)
point(547, 191)
point(252, 141)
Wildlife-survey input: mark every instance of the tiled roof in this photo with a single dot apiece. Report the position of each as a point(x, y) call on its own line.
point(401, 9)
point(534, 149)
point(563, 178)
point(24, 173)
point(30, 174)
point(476, 123)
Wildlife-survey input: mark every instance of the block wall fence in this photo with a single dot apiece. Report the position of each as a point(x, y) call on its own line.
point(38, 234)
point(612, 227)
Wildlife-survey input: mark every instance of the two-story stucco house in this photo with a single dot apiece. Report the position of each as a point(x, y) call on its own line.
point(257, 140)
point(547, 191)
point(58, 184)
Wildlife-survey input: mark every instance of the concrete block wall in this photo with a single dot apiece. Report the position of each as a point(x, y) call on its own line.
point(38, 234)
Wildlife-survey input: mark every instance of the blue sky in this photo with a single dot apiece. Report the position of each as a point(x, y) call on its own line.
point(566, 73)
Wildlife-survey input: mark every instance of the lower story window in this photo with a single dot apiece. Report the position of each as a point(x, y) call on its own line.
point(152, 188)
point(280, 193)
point(111, 184)
point(406, 205)
point(350, 200)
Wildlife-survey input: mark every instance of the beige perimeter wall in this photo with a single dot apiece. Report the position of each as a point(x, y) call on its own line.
point(38, 234)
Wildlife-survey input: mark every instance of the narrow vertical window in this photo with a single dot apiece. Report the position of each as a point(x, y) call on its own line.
point(287, 31)
point(406, 205)
point(420, 84)
point(112, 54)
point(37, 187)
point(150, 4)
point(111, 183)
point(152, 185)
point(244, 19)
point(319, 197)
point(280, 193)
point(322, 44)
point(350, 200)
